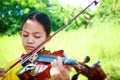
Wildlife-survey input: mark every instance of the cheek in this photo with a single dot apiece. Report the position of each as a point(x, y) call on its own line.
point(24, 42)
point(39, 41)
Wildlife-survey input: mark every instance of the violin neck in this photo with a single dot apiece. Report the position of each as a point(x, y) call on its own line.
point(50, 58)
point(65, 60)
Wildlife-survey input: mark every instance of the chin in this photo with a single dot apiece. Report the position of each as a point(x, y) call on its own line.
point(29, 51)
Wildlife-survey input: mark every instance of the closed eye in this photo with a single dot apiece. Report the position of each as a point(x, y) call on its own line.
point(25, 35)
point(37, 36)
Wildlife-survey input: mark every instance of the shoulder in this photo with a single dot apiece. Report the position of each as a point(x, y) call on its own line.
point(22, 56)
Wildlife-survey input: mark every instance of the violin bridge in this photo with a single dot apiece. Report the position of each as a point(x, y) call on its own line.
point(33, 57)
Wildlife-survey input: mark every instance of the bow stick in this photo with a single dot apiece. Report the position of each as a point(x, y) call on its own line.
point(28, 55)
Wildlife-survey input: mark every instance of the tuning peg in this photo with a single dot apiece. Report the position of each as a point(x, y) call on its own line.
point(95, 64)
point(86, 59)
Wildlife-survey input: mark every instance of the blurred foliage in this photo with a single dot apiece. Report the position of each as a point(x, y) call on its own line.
point(12, 13)
point(109, 11)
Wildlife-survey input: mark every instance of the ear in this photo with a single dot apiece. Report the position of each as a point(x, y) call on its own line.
point(20, 33)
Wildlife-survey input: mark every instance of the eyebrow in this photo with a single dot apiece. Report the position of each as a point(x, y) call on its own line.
point(33, 33)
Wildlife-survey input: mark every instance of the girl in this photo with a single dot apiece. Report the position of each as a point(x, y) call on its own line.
point(36, 29)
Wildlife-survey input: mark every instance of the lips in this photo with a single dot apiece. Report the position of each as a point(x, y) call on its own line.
point(30, 48)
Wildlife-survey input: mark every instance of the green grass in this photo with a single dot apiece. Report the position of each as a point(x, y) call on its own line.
point(101, 42)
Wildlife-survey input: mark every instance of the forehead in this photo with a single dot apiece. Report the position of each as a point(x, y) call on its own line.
point(33, 26)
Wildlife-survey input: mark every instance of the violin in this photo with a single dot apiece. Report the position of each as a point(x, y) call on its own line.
point(94, 72)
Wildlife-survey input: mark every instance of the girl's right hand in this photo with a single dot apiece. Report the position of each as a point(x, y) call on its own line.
point(2, 72)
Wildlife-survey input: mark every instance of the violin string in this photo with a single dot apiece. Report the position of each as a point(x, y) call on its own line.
point(82, 66)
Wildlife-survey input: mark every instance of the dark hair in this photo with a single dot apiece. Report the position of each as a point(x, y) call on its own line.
point(42, 18)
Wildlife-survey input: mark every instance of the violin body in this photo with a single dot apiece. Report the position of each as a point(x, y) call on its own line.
point(41, 76)
point(44, 74)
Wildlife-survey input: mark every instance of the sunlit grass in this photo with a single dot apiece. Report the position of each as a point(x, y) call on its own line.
point(100, 43)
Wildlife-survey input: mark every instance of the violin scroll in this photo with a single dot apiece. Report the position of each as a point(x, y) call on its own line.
point(95, 72)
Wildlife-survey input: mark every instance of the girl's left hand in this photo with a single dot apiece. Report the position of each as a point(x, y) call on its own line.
point(58, 71)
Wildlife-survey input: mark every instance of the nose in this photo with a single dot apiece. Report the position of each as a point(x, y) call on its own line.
point(30, 40)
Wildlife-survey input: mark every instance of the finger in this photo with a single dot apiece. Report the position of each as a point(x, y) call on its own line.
point(54, 69)
point(2, 70)
point(62, 69)
point(53, 63)
point(58, 77)
point(60, 64)
point(55, 72)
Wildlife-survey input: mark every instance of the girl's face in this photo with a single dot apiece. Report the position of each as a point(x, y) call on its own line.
point(32, 34)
